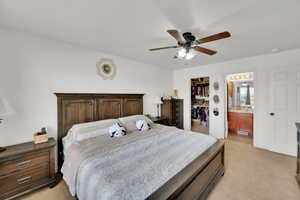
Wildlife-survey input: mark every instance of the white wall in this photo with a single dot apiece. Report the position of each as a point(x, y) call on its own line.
point(32, 69)
point(261, 66)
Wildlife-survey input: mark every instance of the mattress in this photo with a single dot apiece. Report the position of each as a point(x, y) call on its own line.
point(130, 167)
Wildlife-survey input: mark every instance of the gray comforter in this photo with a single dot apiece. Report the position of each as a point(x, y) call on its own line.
point(130, 167)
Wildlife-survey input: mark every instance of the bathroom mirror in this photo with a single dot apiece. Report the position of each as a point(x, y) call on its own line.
point(241, 94)
point(246, 95)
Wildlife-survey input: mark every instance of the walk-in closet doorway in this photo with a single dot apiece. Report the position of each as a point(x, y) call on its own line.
point(200, 105)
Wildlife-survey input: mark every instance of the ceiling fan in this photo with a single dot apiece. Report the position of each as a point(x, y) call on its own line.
point(190, 43)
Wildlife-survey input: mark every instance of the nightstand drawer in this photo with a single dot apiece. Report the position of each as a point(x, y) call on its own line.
point(24, 163)
point(23, 179)
point(26, 167)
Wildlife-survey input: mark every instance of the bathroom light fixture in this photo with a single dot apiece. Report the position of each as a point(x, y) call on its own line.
point(241, 77)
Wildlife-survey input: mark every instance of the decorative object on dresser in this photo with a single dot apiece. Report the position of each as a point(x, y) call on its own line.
point(298, 154)
point(26, 167)
point(160, 120)
point(173, 111)
point(106, 68)
point(175, 94)
point(41, 137)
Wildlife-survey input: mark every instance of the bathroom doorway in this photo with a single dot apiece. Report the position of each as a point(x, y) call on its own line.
point(240, 107)
point(200, 105)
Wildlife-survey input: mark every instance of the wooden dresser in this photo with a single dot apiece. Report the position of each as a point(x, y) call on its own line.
point(26, 167)
point(173, 111)
point(298, 154)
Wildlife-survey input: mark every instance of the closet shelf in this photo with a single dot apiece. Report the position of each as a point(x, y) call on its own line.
point(197, 105)
point(201, 97)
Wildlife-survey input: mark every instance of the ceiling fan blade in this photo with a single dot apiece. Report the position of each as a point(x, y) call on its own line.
point(160, 48)
point(175, 34)
point(214, 37)
point(204, 50)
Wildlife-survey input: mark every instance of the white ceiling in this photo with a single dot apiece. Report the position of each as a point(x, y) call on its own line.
point(128, 28)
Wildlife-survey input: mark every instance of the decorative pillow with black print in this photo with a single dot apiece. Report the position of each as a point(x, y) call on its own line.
point(116, 130)
point(142, 125)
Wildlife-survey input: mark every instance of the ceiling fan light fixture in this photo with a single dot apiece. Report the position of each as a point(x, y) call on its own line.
point(191, 54)
point(188, 45)
point(183, 53)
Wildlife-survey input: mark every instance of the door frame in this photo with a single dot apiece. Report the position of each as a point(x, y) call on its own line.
point(226, 104)
point(190, 99)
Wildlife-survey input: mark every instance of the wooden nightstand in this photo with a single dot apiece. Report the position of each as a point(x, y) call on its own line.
point(159, 120)
point(26, 167)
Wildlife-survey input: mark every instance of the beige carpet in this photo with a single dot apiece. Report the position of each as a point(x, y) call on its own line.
point(200, 129)
point(251, 174)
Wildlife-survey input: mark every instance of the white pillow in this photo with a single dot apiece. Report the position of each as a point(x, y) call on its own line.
point(142, 125)
point(83, 131)
point(116, 130)
point(130, 122)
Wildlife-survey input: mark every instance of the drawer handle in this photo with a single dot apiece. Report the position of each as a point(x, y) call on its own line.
point(23, 163)
point(24, 180)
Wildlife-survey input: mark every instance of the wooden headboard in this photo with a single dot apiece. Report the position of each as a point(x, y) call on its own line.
point(75, 108)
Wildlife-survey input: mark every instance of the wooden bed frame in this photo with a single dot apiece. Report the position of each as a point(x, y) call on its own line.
point(195, 181)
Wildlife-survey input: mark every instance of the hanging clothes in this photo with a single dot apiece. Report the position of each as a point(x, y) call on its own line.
point(201, 113)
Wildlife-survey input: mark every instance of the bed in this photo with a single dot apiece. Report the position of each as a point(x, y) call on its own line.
point(164, 163)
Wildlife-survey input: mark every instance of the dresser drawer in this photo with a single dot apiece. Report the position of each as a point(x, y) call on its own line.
point(24, 163)
point(22, 179)
point(25, 168)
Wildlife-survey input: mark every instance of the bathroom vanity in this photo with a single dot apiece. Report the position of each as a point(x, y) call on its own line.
point(240, 121)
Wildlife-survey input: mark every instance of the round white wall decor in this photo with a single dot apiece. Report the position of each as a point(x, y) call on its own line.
point(216, 99)
point(106, 68)
point(216, 85)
